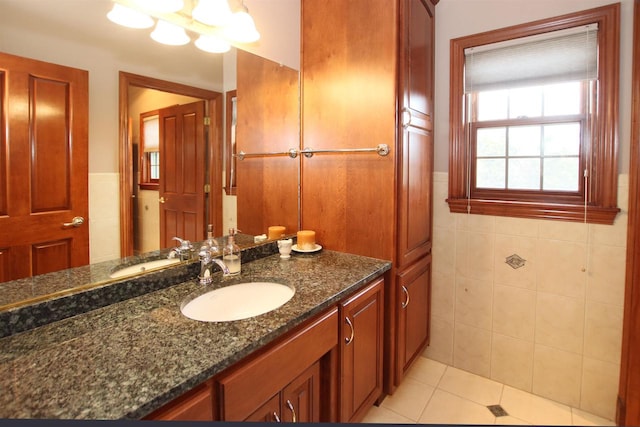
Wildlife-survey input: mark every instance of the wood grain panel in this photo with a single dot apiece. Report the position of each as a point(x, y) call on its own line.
point(195, 405)
point(44, 162)
point(628, 408)
point(268, 121)
point(349, 101)
point(50, 144)
point(4, 264)
point(190, 155)
point(304, 396)
point(51, 256)
point(4, 184)
point(241, 394)
point(170, 152)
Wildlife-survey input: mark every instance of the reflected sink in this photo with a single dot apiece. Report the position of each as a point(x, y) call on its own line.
point(236, 302)
point(142, 267)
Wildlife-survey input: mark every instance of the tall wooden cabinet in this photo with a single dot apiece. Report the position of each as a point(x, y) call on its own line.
point(367, 79)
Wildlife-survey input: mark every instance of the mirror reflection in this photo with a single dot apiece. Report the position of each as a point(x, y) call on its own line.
point(95, 45)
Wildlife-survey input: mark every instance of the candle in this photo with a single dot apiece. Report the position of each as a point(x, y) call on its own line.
point(276, 232)
point(306, 240)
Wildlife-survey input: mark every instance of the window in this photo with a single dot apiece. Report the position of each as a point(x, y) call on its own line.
point(534, 116)
point(150, 150)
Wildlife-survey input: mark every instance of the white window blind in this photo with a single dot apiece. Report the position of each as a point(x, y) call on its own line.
point(558, 56)
point(151, 129)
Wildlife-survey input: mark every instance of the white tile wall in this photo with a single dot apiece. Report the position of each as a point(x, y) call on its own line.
point(104, 216)
point(552, 327)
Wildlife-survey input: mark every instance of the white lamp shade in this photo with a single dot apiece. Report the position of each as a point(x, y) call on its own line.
point(162, 6)
point(241, 28)
point(212, 44)
point(170, 34)
point(122, 15)
point(212, 12)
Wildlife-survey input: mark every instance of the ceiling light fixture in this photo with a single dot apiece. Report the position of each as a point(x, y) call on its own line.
point(218, 25)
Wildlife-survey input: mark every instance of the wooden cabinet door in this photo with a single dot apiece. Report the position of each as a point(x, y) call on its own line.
point(43, 167)
point(195, 405)
point(415, 156)
point(361, 337)
point(301, 398)
point(269, 412)
point(414, 301)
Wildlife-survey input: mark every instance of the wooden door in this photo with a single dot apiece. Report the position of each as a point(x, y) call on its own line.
point(628, 405)
point(301, 398)
point(361, 359)
point(182, 173)
point(414, 301)
point(415, 157)
point(43, 167)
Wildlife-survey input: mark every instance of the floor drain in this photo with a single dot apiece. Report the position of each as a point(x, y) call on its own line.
point(497, 411)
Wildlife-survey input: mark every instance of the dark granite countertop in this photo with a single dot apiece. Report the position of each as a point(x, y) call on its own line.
point(129, 358)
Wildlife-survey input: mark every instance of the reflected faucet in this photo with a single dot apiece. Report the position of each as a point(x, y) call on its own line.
point(183, 251)
point(206, 264)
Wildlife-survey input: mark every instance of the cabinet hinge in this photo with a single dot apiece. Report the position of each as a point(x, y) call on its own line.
point(207, 188)
point(207, 121)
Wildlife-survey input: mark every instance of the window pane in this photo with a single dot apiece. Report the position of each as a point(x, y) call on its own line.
point(491, 142)
point(524, 174)
point(525, 102)
point(564, 98)
point(492, 105)
point(524, 141)
point(562, 139)
point(490, 173)
point(561, 174)
point(154, 165)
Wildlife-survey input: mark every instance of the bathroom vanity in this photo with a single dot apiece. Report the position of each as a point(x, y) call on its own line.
point(318, 357)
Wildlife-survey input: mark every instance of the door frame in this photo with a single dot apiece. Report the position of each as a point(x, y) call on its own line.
point(214, 105)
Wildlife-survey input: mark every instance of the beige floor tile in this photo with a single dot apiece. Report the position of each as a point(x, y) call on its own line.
point(427, 371)
point(410, 399)
point(510, 421)
point(470, 386)
point(581, 418)
point(534, 409)
point(447, 408)
point(379, 415)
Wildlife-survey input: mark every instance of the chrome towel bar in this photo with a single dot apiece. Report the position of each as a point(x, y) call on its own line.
point(381, 149)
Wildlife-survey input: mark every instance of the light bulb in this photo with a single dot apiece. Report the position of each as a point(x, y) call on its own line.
point(170, 34)
point(162, 6)
point(212, 12)
point(241, 28)
point(122, 15)
point(212, 44)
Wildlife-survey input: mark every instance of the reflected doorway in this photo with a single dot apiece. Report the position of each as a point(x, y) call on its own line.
point(131, 86)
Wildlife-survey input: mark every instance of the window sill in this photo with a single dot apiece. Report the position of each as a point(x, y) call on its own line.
point(149, 186)
point(563, 212)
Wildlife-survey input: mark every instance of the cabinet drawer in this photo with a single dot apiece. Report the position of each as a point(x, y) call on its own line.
point(195, 405)
point(246, 388)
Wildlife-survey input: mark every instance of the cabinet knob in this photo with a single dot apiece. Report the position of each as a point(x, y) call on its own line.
point(349, 340)
point(293, 411)
point(406, 294)
point(276, 417)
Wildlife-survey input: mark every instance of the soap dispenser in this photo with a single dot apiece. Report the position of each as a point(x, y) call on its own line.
point(231, 254)
point(211, 242)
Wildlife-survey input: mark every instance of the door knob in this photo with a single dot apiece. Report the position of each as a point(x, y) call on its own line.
point(77, 221)
point(161, 199)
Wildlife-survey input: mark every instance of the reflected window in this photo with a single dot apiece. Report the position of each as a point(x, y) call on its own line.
point(150, 150)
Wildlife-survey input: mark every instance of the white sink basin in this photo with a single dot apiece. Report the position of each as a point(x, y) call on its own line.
point(142, 267)
point(236, 302)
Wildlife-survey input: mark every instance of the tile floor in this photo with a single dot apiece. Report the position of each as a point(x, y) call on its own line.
point(434, 393)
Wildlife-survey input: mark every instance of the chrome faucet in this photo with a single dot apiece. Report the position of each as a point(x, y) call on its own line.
point(183, 251)
point(206, 264)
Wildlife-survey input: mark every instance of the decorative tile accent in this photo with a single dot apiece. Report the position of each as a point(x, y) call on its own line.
point(515, 261)
point(497, 410)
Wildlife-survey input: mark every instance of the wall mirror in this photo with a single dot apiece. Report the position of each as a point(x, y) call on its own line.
point(95, 32)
